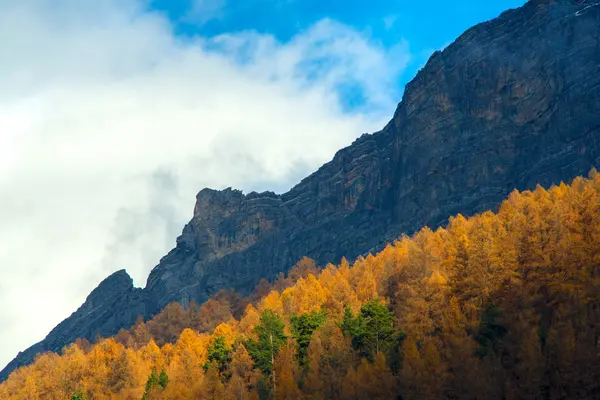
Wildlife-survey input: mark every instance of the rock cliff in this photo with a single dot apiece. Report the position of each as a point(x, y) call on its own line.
point(511, 103)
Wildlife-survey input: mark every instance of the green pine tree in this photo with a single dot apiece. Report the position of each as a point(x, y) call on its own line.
point(151, 383)
point(372, 331)
point(303, 327)
point(163, 379)
point(348, 324)
point(270, 338)
point(490, 330)
point(220, 355)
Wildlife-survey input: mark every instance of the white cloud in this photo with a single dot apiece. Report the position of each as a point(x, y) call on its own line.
point(110, 124)
point(202, 11)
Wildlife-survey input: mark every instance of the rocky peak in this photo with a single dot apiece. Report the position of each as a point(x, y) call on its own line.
point(115, 285)
point(212, 203)
point(226, 221)
point(541, 2)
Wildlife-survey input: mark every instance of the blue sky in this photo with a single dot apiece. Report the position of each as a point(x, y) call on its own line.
point(424, 25)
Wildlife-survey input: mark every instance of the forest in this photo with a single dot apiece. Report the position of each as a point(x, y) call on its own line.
point(501, 305)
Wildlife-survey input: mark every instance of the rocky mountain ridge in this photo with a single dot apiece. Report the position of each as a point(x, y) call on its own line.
point(512, 103)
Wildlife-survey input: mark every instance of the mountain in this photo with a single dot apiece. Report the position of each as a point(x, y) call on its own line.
point(512, 103)
point(496, 306)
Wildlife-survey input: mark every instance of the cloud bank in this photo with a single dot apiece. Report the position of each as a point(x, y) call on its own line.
point(110, 124)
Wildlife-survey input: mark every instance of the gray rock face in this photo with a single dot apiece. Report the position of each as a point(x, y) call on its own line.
point(512, 103)
point(114, 303)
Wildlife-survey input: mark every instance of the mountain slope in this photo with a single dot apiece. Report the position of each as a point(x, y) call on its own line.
point(495, 306)
point(513, 102)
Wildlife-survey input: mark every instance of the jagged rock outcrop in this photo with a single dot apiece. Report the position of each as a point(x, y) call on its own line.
point(115, 303)
point(512, 103)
